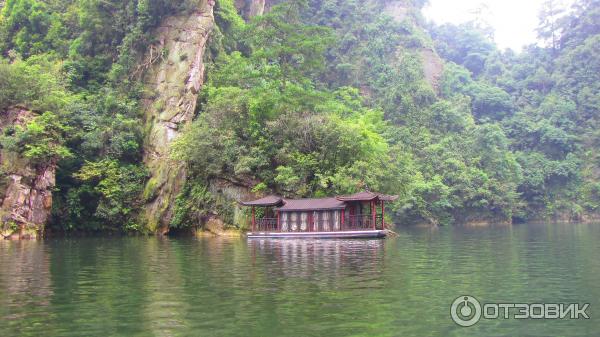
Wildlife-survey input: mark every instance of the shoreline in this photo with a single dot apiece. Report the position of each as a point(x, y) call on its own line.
point(33, 235)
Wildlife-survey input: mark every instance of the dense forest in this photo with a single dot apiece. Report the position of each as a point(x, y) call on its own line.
point(308, 98)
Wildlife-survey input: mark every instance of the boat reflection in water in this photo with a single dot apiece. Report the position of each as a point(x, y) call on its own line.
point(306, 257)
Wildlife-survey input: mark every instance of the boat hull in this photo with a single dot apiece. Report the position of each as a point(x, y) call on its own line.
point(320, 235)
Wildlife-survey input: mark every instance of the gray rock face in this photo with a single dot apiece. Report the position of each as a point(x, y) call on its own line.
point(232, 193)
point(257, 7)
point(25, 190)
point(433, 66)
point(396, 9)
point(173, 81)
point(251, 8)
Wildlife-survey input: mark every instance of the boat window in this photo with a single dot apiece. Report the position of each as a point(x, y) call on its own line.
point(294, 221)
point(284, 222)
point(304, 221)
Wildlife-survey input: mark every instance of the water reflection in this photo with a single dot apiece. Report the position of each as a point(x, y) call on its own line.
point(302, 258)
point(25, 287)
point(264, 287)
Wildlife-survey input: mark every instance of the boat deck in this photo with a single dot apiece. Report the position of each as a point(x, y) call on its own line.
point(322, 235)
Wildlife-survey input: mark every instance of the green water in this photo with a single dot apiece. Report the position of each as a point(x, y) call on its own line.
point(216, 287)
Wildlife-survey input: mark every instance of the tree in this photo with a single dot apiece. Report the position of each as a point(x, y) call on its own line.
point(41, 140)
point(112, 191)
point(581, 23)
point(464, 44)
point(489, 101)
point(281, 37)
point(549, 28)
point(24, 26)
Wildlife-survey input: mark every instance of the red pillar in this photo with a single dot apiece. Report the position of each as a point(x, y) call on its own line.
point(382, 215)
point(253, 220)
point(342, 221)
point(373, 214)
point(277, 221)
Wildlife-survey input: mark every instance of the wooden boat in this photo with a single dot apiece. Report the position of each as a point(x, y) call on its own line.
point(360, 215)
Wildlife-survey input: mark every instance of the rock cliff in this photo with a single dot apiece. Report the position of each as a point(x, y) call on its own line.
point(173, 79)
point(433, 66)
point(25, 190)
point(250, 8)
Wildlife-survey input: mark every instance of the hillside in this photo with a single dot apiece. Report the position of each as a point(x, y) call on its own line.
point(155, 115)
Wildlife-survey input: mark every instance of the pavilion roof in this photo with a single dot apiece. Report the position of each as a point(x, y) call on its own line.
point(360, 196)
point(312, 204)
point(271, 200)
point(338, 202)
point(367, 196)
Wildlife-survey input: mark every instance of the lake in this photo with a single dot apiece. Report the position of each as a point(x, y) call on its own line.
point(400, 286)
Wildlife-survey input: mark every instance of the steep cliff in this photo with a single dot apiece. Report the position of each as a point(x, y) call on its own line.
point(250, 8)
point(25, 189)
point(432, 63)
point(433, 67)
point(173, 79)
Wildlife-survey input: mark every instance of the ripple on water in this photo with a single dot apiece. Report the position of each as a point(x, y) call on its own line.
point(215, 287)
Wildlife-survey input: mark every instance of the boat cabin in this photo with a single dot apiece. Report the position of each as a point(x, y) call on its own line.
point(357, 215)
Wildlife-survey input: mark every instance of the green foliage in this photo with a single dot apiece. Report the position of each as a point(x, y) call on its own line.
point(62, 54)
point(111, 192)
point(280, 37)
point(499, 143)
point(194, 202)
point(314, 98)
point(263, 111)
point(455, 79)
point(35, 83)
point(549, 16)
point(465, 44)
point(376, 53)
point(24, 26)
point(41, 140)
point(229, 26)
point(579, 76)
point(545, 102)
point(489, 101)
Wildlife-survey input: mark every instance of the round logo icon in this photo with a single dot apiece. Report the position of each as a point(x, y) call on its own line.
point(465, 310)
